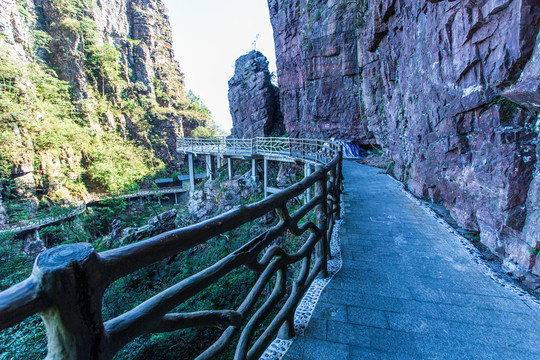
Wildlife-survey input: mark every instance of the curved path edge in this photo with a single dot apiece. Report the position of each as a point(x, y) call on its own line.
point(279, 347)
point(411, 287)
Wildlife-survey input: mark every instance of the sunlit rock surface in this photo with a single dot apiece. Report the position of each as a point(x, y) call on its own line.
point(448, 89)
point(253, 99)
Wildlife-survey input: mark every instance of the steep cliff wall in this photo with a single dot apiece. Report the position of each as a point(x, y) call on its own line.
point(253, 99)
point(448, 89)
point(91, 95)
point(316, 68)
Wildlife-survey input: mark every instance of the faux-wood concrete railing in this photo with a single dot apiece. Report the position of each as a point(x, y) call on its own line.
point(67, 283)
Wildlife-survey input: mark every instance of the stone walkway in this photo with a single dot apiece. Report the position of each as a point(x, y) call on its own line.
point(409, 289)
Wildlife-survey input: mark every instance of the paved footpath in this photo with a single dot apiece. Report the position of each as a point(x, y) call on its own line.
point(409, 289)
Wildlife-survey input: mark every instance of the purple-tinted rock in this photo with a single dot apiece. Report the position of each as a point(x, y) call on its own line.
point(536, 267)
point(425, 81)
point(317, 68)
point(253, 99)
point(526, 91)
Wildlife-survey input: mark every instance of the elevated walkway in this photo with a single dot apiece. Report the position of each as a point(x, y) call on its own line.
point(411, 289)
point(80, 207)
point(69, 296)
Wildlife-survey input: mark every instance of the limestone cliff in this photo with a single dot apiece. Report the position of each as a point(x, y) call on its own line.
point(253, 99)
point(449, 89)
point(92, 96)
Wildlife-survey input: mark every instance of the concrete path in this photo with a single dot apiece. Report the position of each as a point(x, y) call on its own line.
point(409, 289)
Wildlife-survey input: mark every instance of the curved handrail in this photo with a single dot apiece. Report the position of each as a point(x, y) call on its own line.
point(68, 282)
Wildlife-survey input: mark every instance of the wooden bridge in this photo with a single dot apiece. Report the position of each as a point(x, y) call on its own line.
point(67, 283)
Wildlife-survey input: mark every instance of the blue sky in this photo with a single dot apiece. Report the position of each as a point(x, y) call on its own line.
point(208, 36)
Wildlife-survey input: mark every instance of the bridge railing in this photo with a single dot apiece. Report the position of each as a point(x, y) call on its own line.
point(315, 151)
point(68, 282)
point(35, 223)
point(217, 146)
point(138, 193)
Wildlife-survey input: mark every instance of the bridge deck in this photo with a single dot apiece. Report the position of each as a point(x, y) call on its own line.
point(409, 289)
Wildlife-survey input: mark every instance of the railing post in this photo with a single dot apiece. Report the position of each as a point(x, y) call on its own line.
point(191, 173)
point(339, 180)
point(287, 330)
point(210, 167)
point(322, 223)
point(307, 172)
point(265, 177)
point(71, 278)
point(254, 169)
point(290, 147)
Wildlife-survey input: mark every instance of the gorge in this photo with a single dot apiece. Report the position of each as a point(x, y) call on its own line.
point(448, 90)
point(92, 97)
point(92, 100)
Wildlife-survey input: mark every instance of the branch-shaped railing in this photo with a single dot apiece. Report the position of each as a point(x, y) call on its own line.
point(68, 282)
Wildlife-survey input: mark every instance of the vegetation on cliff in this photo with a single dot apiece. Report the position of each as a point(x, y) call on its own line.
point(74, 114)
point(28, 339)
point(39, 122)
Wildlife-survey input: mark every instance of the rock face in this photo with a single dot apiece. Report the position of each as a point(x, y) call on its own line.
point(317, 70)
point(217, 197)
point(449, 90)
point(122, 81)
point(139, 29)
point(32, 244)
point(526, 91)
point(253, 99)
point(156, 225)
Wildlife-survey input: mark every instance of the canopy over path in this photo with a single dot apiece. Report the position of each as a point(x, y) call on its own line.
point(410, 288)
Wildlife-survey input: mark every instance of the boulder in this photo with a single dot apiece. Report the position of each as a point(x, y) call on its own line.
point(156, 225)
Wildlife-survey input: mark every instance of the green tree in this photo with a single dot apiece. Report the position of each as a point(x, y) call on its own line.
point(195, 103)
point(103, 61)
point(204, 132)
